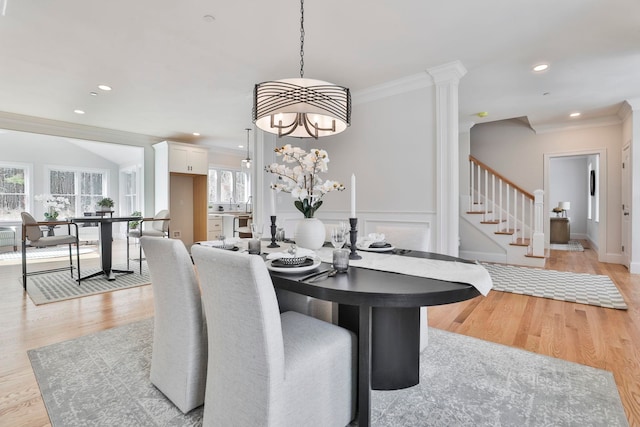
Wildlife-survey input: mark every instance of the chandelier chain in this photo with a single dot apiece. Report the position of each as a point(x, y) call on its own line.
point(301, 39)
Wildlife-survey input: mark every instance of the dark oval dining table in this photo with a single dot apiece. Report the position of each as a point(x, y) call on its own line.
point(383, 309)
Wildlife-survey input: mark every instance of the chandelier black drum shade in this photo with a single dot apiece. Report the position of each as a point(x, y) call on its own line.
point(299, 107)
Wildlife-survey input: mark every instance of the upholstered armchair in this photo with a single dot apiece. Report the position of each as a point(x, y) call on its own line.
point(159, 228)
point(267, 368)
point(179, 355)
point(32, 233)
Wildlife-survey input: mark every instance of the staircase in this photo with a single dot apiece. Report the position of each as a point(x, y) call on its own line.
point(508, 215)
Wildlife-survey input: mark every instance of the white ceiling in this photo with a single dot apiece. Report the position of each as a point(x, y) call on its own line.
point(174, 72)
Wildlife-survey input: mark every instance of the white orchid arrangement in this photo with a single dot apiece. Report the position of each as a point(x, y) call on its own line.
point(53, 205)
point(302, 180)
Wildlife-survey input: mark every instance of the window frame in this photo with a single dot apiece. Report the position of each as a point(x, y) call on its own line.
point(28, 188)
point(219, 170)
point(76, 171)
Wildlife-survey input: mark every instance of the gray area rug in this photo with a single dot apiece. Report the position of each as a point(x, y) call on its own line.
point(51, 287)
point(573, 246)
point(50, 252)
point(103, 380)
point(581, 288)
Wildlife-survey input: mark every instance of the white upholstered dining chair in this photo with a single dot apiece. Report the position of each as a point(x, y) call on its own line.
point(179, 357)
point(413, 236)
point(159, 228)
point(32, 233)
point(267, 368)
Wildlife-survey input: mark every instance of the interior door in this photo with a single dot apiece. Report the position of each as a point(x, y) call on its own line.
point(626, 205)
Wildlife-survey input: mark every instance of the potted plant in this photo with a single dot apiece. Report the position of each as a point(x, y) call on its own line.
point(106, 204)
point(134, 224)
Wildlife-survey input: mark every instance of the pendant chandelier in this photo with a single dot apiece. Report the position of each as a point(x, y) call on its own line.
point(246, 163)
point(300, 107)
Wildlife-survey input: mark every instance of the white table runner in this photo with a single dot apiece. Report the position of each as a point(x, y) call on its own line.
point(450, 271)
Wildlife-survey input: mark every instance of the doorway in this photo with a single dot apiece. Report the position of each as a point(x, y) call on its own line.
point(573, 180)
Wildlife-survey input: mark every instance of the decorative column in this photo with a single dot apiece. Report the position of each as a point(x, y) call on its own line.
point(446, 78)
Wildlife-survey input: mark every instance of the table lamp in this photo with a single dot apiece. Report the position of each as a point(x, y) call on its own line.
point(565, 206)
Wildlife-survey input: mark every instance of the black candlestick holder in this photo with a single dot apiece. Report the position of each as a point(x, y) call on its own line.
point(273, 233)
point(353, 235)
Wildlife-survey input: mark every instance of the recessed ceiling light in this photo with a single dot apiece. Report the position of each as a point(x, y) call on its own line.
point(240, 146)
point(574, 114)
point(104, 87)
point(540, 67)
point(196, 134)
point(78, 111)
point(93, 93)
point(209, 18)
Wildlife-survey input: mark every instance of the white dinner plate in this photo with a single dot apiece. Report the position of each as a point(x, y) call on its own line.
point(316, 263)
point(385, 249)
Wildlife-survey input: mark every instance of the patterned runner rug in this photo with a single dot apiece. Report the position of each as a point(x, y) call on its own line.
point(103, 379)
point(573, 246)
point(559, 285)
point(51, 287)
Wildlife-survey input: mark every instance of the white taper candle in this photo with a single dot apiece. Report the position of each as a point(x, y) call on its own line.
point(353, 196)
point(273, 202)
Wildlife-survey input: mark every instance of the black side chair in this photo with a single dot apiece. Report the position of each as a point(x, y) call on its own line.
point(32, 232)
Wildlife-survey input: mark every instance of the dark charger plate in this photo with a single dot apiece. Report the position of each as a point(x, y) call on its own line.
point(280, 264)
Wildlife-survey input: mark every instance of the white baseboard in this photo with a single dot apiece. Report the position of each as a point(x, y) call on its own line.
point(484, 256)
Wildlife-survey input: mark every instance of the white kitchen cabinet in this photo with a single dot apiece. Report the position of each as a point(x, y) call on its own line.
point(188, 159)
point(181, 175)
point(220, 225)
point(215, 228)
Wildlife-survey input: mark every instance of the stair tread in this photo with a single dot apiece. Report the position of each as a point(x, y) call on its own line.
point(509, 231)
point(521, 242)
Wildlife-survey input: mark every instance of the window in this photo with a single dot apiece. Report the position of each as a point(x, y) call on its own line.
point(14, 185)
point(83, 188)
point(129, 190)
point(228, 186)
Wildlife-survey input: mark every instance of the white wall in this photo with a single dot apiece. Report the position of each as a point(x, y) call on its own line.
point(516, 151)
point(390, 147)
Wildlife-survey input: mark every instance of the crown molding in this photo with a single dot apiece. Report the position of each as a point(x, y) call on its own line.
point(576, 125)
point(395, 87)
point(451, 71)
point(625, 111)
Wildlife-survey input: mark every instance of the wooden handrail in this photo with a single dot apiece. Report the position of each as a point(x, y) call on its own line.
point(508, 181)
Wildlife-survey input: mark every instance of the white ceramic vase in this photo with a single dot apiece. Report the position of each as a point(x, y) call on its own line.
point(309, 233)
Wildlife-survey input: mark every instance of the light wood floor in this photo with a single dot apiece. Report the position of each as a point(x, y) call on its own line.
point(603, 338)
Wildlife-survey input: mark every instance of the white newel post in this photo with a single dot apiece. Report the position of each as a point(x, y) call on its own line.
point(537, 244)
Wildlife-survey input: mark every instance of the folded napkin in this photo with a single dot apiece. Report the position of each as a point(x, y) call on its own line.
point(301, 252)
point(375, 239)
point(231, 241)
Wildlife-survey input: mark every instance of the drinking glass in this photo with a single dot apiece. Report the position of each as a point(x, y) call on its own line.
point(338, 237)
point(341, 260)
point(257, 230)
